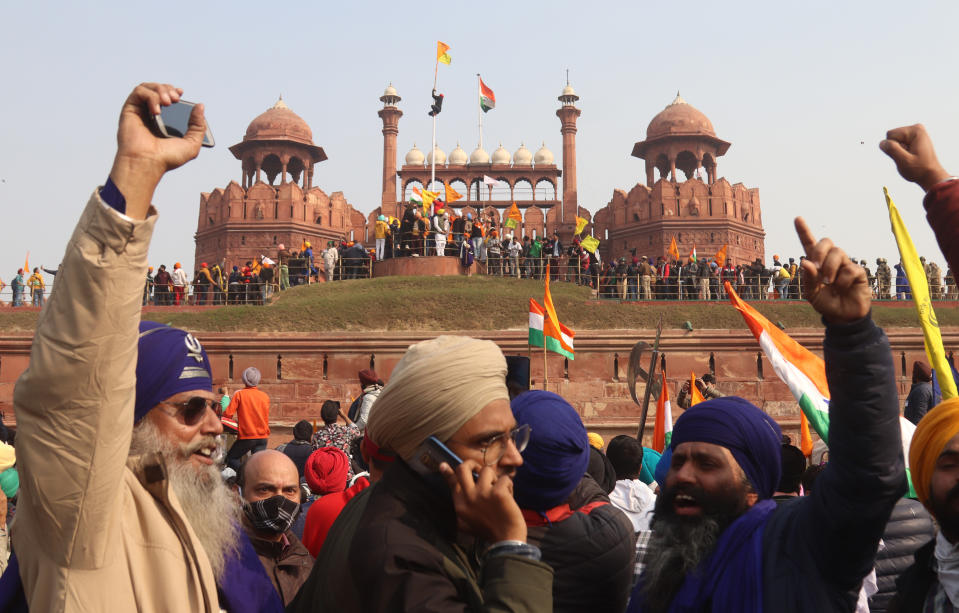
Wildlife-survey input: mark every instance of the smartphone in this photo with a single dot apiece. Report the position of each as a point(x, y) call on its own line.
point(174, 120)
point(431, 453)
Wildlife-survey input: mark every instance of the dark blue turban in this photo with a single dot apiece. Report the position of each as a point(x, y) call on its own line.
point(752, 436)
point(557, 456)
point(169, 361)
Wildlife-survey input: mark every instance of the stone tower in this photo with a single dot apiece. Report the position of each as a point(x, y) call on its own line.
point(568, 114)
point(391, 120)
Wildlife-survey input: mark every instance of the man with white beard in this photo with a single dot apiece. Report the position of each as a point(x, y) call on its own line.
point(121, 506)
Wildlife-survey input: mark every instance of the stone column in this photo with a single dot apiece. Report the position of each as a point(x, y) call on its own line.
point(568, 114)
point(672, 169)
point(391, 120)
point(650, 173)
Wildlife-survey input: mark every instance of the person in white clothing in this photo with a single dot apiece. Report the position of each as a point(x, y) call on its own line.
point(441, 227)
point(631, 496)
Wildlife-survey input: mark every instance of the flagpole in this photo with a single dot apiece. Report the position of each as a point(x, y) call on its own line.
point(545, 375)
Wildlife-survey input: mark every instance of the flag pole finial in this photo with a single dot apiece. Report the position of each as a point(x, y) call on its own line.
point(567, 76)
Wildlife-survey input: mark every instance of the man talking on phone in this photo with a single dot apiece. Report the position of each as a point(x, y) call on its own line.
point(452, 540)
point(104, 525)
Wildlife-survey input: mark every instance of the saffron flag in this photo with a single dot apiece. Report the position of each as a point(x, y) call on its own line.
point(692, 254)
point(451, 194)
point(920, 296)
point(26, 263)
point(487, 100)
point(513, 217)
point(673, 249)
point(425, 197)
point(805, 438)
point(695, 396)
point(441, 53)
point(552, 327)
point(580, 225)
point(537, 316)
point(590, 243)
point(803, 372)
point(663, 428)
point(721, 255)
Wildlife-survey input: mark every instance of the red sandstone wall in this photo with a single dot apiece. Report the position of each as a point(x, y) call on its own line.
point(301, 371)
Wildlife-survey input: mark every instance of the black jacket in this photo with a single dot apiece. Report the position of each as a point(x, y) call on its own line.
point(817, 549)
point(914, 584)
point(919, 401)
point(591, 553)
point(909, 529)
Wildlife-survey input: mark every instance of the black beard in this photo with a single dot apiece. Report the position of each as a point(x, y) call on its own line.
point(680, 543)
point(941, 509)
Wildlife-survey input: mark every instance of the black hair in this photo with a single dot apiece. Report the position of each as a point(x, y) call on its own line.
point(302, 431)
point(793, 463)
point(330, 411)
point(625, 453)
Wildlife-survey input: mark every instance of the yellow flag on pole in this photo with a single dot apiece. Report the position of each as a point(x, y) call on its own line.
point(513, 217)
point(673, 249)
point(590, 243)
point(580, 225)
point(721, 255)
point(441, 53)
point(920, 295)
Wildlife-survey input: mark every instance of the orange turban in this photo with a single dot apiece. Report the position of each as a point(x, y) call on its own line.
point(935, 429)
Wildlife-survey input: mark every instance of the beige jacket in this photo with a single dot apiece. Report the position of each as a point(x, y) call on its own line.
point(94, 531)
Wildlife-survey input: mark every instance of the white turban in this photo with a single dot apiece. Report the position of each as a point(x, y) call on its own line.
point(437, 386)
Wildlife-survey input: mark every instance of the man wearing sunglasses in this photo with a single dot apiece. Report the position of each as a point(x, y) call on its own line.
point(437, 541)
point(121, 506)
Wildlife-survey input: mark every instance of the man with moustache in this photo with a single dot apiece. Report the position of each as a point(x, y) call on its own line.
point(121, 506)
point(719, 542)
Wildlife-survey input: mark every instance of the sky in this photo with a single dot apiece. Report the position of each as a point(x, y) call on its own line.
point(804, 91)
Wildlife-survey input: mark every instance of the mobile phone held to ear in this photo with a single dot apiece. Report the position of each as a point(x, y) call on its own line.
point(174, 121)
point(428, 457)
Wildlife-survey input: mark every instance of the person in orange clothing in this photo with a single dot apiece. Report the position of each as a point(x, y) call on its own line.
point(252, 409)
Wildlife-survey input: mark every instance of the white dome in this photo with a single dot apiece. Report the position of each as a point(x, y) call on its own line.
point(568, 91)
point(458, 156)
point(415, 157)
point(479, 156)
point(501, 156)
point(438, 154)
point(522, 157)
point(390, 91)
point(543, 157)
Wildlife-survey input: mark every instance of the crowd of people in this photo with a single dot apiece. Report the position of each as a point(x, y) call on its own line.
point(478, 494)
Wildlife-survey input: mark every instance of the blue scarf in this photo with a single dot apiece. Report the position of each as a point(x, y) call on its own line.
point(731, 578)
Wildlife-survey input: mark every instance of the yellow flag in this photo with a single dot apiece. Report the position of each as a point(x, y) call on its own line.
point(673, 249)
point(590, 243)
point(580, 225)
point(920, 295)
point(451, 194)
point(441, 53)
point(721, 255)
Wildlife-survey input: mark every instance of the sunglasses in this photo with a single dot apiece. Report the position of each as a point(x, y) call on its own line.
point(193, 410)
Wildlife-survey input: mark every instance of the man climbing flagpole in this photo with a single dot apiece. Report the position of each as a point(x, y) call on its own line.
point(437, 106)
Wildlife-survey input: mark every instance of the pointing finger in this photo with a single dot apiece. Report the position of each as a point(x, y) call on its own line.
point(805, 235)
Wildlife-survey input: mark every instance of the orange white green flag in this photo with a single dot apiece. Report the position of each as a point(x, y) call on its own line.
point(537, 338)
point(552, 327)
point(487, 99)
point(663, 428)
point(803, 372)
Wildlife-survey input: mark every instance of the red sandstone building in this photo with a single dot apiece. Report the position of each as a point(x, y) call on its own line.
point(705, 214)
point(530, 180)
point(276, 202)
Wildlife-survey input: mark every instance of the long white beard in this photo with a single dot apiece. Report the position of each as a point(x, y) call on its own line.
point(211, 508)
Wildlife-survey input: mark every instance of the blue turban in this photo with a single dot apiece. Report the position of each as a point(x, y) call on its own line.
point(557, 455)
point(169, 361)
point(752, 436)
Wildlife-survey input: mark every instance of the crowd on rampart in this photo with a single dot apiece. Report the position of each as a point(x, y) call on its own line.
point(453, 486)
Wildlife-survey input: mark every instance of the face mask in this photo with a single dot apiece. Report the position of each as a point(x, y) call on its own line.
point(274, 515)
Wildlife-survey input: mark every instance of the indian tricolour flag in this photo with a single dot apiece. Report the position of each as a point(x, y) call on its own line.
point(537, 315)
point(802, 371)
point(487, 98)
point(415, 197)
point(663, 429)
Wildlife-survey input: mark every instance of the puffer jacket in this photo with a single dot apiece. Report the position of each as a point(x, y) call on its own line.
point(590, 544)
point(909, 528)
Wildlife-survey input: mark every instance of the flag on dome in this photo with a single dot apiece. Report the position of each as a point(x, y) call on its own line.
point(441, 53)
point(487, 99)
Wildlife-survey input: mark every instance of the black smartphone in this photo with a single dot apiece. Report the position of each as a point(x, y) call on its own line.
point(174, 121)
point(427, 459)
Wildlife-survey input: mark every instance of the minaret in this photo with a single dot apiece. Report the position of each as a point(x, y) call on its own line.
point(568, 114)
point(391, 120)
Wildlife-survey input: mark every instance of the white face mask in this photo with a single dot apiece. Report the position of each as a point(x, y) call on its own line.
point(947, 558)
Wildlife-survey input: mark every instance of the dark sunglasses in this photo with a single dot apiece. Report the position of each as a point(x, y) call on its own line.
point(194, 409)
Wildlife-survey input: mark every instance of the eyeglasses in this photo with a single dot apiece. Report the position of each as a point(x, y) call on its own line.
point(194, 409)
point(495, 448)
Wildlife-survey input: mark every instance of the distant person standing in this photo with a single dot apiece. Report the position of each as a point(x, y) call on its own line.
point(36, 285)
point(180, 282)
point(252, 409)
point(920, 398)
point(17, 286)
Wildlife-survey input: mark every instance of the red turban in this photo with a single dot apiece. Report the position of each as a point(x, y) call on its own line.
point(326, 470)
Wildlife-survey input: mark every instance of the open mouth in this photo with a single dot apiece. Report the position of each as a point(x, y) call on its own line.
point(205, 454)
point(684, 504)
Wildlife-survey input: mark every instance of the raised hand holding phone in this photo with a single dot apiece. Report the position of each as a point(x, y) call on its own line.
point(484, 506)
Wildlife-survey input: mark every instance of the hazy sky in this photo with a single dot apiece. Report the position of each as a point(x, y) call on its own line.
point(804, 91)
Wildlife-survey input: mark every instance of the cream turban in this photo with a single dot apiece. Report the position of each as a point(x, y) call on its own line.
point(436, 388)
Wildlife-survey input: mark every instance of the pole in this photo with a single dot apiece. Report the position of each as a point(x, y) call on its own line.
point(545, 375)
point(433, 157)
point(649, 381)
